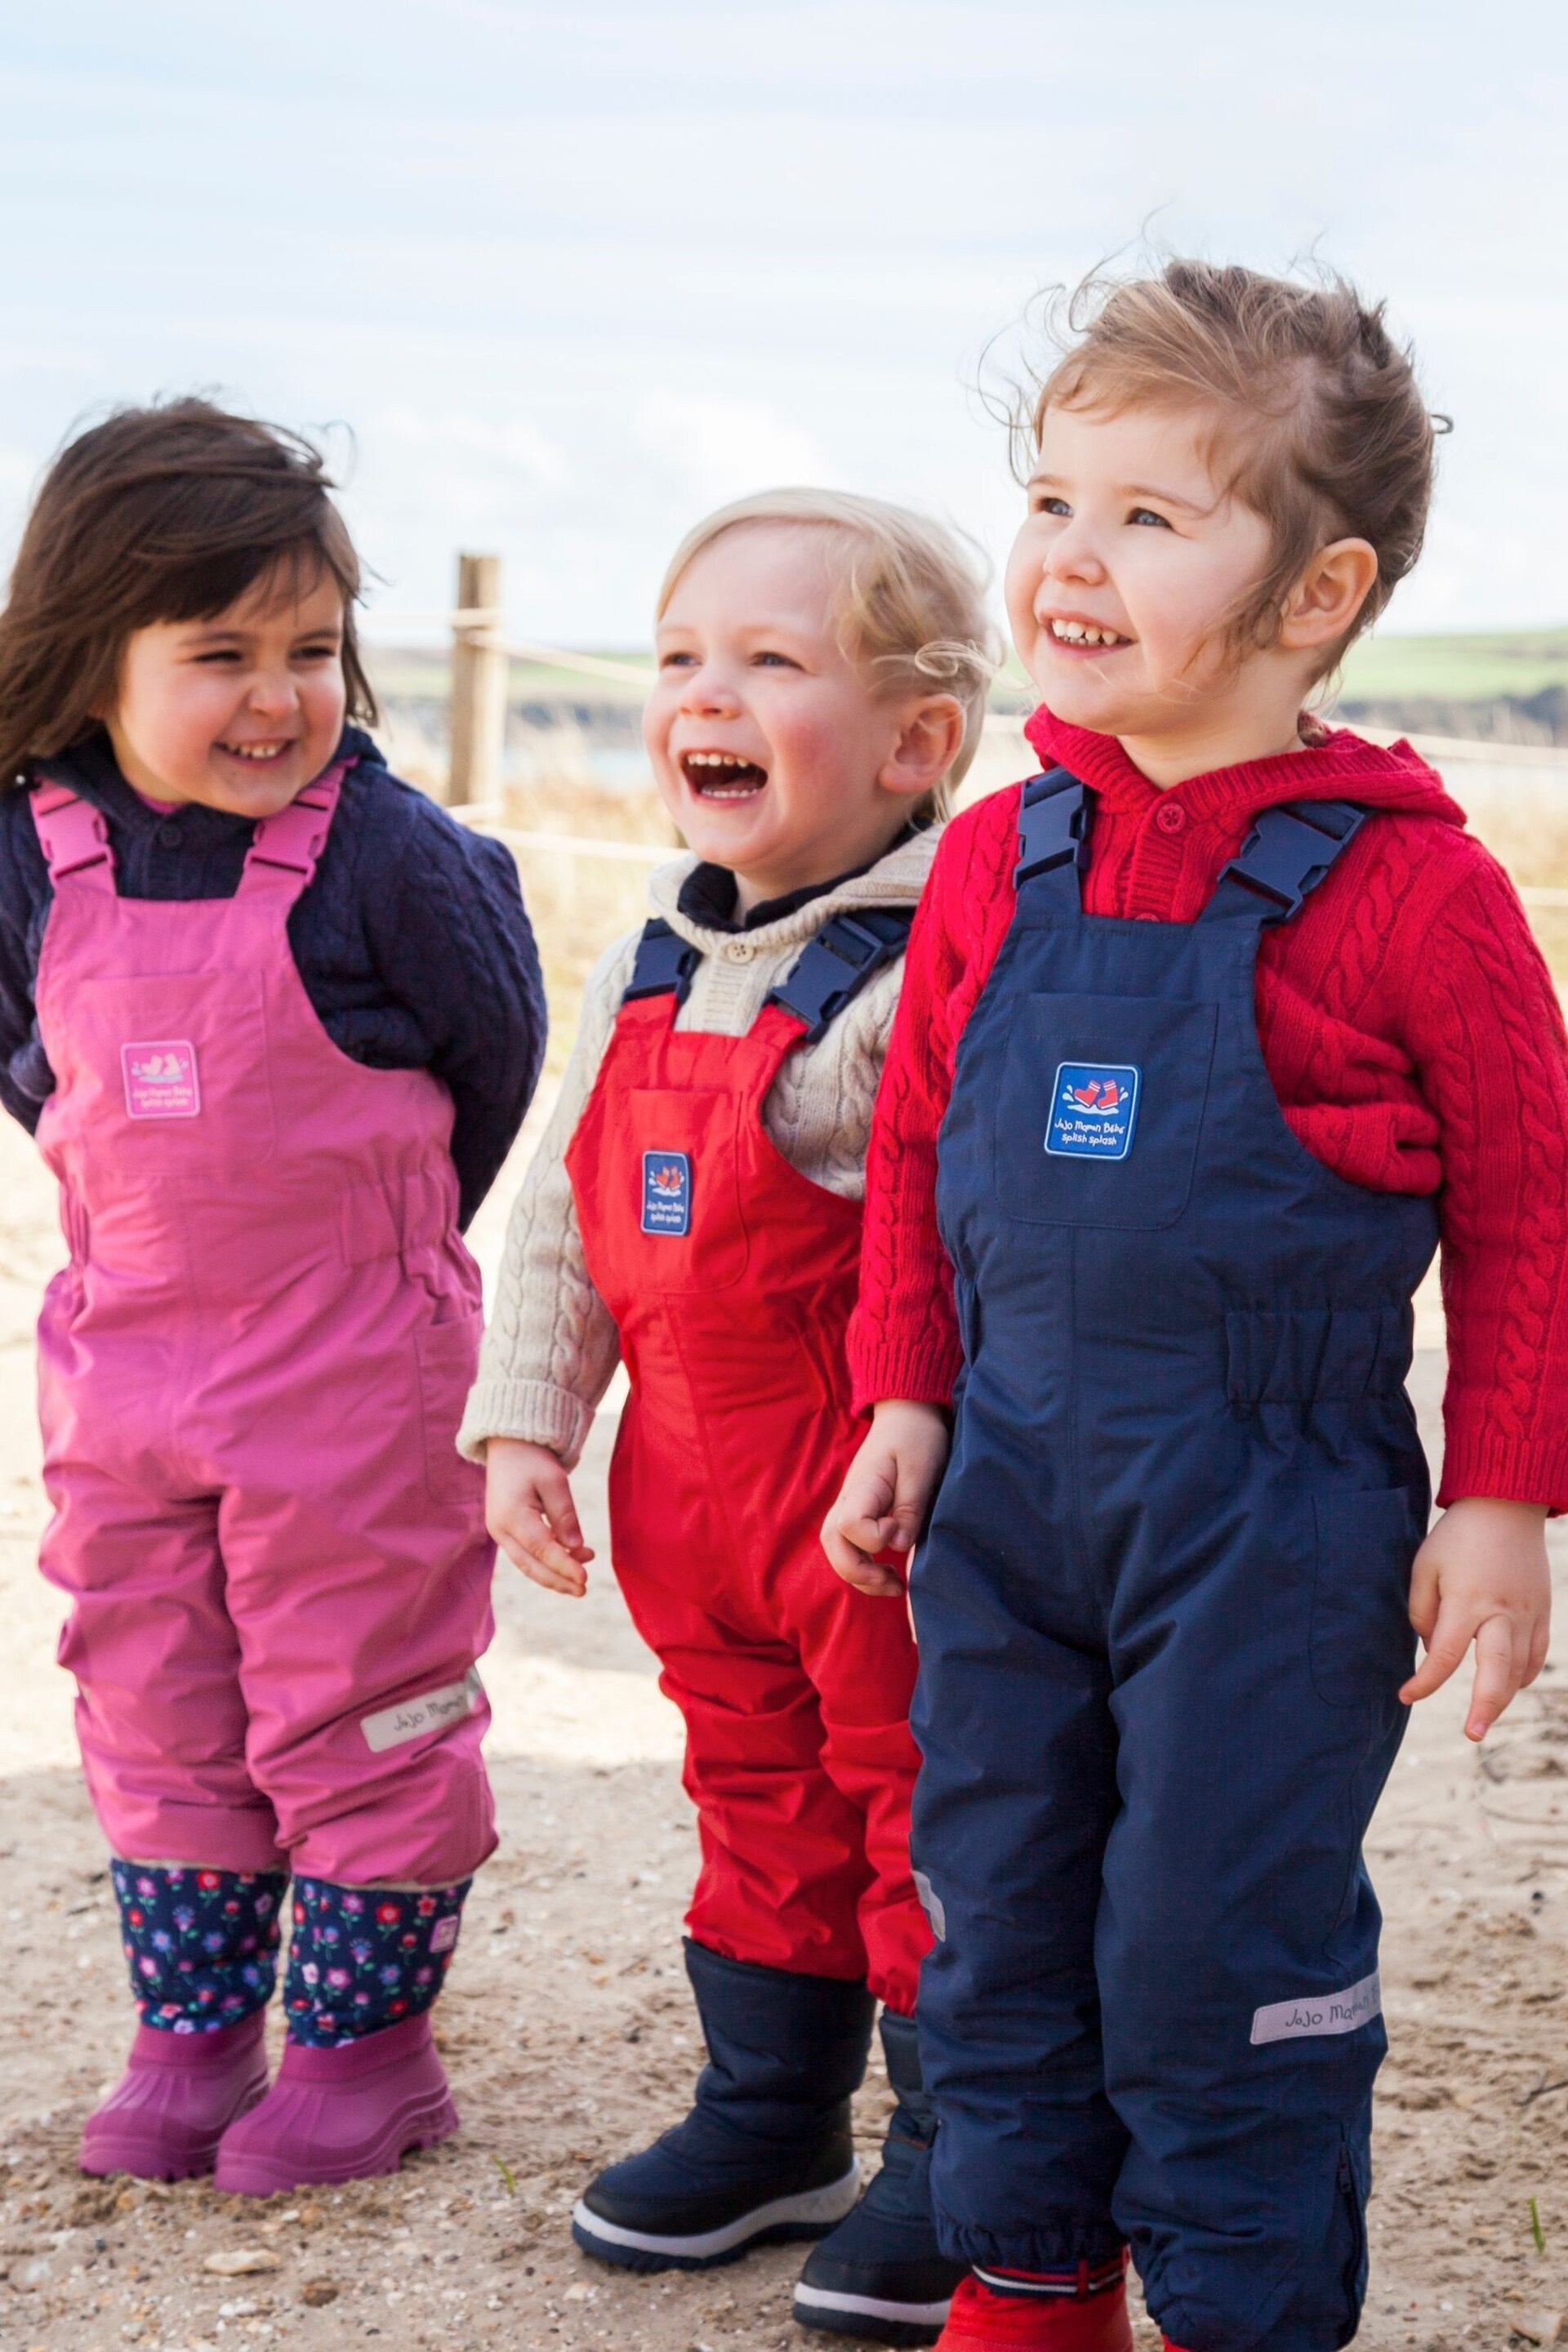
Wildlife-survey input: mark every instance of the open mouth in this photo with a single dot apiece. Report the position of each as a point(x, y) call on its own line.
point(722, 776)
point(259, 755)
point(1085, 636)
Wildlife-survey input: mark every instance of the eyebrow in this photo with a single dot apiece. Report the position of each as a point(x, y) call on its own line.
point(1133, 490)
point(206, 635)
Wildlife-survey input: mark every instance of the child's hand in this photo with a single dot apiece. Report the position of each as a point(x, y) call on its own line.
point(530, 1511)
point(885, 1494)
point(1481, 1576)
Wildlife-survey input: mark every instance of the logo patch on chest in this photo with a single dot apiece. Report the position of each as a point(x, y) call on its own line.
point(1094, 1108)
point(161, 1080)
point(666, 1192)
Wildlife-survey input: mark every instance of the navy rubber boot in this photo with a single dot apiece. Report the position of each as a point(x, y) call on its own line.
point(766, 2153)
point(881, 2276)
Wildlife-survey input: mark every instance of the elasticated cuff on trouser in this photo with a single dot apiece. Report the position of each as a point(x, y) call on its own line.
point(361, 1958)
point(1081, 2284)
point(202, 1945)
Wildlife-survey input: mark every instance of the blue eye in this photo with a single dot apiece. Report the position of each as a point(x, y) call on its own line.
point(1053, 507)
point(1147, 519)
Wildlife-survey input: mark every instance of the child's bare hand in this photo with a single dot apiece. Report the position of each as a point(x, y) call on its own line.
point(1481, 1576)
point(885, 1494)
point(530, 1512)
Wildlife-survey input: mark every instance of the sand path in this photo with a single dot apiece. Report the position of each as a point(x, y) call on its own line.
point(569, 2035)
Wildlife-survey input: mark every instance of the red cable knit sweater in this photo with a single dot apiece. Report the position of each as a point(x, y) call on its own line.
point(1409, 1025)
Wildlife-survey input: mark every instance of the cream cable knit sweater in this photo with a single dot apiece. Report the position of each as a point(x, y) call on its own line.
point(552, 1345)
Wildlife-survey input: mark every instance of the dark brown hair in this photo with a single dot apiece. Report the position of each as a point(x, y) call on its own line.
point(166, 513)
point(1317, 412)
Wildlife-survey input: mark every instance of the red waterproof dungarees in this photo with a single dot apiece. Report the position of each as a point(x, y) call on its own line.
point(731, 1277)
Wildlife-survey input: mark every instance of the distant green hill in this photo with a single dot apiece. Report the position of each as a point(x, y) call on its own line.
point(1511, 685)
point(1484, 668)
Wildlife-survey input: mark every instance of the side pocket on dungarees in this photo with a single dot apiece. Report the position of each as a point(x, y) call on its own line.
point(1347, 2236)
point(1362, 1642)
point(447, 1355)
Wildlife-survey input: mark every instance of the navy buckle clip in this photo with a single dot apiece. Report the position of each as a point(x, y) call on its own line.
point(1289, 850)
point(664, 965)
point(835, 966)
point(1053, 825)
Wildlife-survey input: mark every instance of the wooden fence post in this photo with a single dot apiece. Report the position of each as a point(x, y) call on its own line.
point(479, 684)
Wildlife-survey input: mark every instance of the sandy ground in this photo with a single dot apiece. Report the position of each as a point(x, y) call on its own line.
point(570, 2037)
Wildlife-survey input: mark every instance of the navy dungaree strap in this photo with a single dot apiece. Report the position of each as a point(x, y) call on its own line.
point(1053, 825)
point(828, 974)
point(846, 954)
point(1288, 852)
point(663, 966)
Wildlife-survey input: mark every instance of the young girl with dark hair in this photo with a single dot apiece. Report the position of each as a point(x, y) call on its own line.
point(1210, 1032)
point(275, 1020)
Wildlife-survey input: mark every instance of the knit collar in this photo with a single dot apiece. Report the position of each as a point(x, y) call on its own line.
point(1340, 766)
point(896, 880)
point(709, 893)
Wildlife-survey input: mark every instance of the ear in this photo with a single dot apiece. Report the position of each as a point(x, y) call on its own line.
point(1330, 591)
point(929, 737)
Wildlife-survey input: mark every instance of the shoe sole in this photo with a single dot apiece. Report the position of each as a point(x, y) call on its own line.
point(811, 2214)
point(421, 2126)
point(874, 2319)
point(109, 2157)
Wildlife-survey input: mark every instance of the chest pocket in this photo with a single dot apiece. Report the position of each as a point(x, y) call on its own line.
point(177, 1070)
point(1100, 1109)
point(678, 1158)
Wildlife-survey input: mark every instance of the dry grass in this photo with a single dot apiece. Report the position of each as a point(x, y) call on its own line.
point(580, 902)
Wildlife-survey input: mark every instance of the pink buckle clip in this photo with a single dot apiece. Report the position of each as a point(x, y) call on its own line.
point(72, 833)
point(292, 841)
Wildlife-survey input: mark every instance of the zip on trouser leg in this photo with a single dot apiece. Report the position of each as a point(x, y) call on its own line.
point(1162, 1610)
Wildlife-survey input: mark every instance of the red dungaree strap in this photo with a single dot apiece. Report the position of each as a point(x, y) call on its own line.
point(283, 854)
point(73, 837)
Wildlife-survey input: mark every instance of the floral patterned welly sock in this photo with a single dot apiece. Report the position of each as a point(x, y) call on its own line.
point(202, 1945)
point(365, 1957)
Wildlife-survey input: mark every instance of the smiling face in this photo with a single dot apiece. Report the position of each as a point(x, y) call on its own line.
point(239, 712)
point(1132, 563)
point(769, 747)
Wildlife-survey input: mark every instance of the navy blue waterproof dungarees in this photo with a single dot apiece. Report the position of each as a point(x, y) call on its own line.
point(1162, 1613)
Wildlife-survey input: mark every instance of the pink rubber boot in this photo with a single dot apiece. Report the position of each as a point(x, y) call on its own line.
point(341, 2114)
point(178, 2095)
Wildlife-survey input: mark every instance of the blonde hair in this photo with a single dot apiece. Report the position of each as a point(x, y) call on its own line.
point(910, 602)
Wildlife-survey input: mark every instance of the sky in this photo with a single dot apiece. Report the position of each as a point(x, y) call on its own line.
point(552, 282)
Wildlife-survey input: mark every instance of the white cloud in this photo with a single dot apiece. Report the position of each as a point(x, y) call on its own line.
point(590, 271)
point(513, 446)
point(727, 447)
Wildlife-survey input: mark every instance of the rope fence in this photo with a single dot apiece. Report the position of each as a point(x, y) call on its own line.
point(483, 649)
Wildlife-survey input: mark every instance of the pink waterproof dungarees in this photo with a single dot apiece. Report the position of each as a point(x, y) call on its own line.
point(251, 1375)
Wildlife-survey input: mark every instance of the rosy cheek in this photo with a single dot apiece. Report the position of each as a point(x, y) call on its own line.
point(804, 745)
